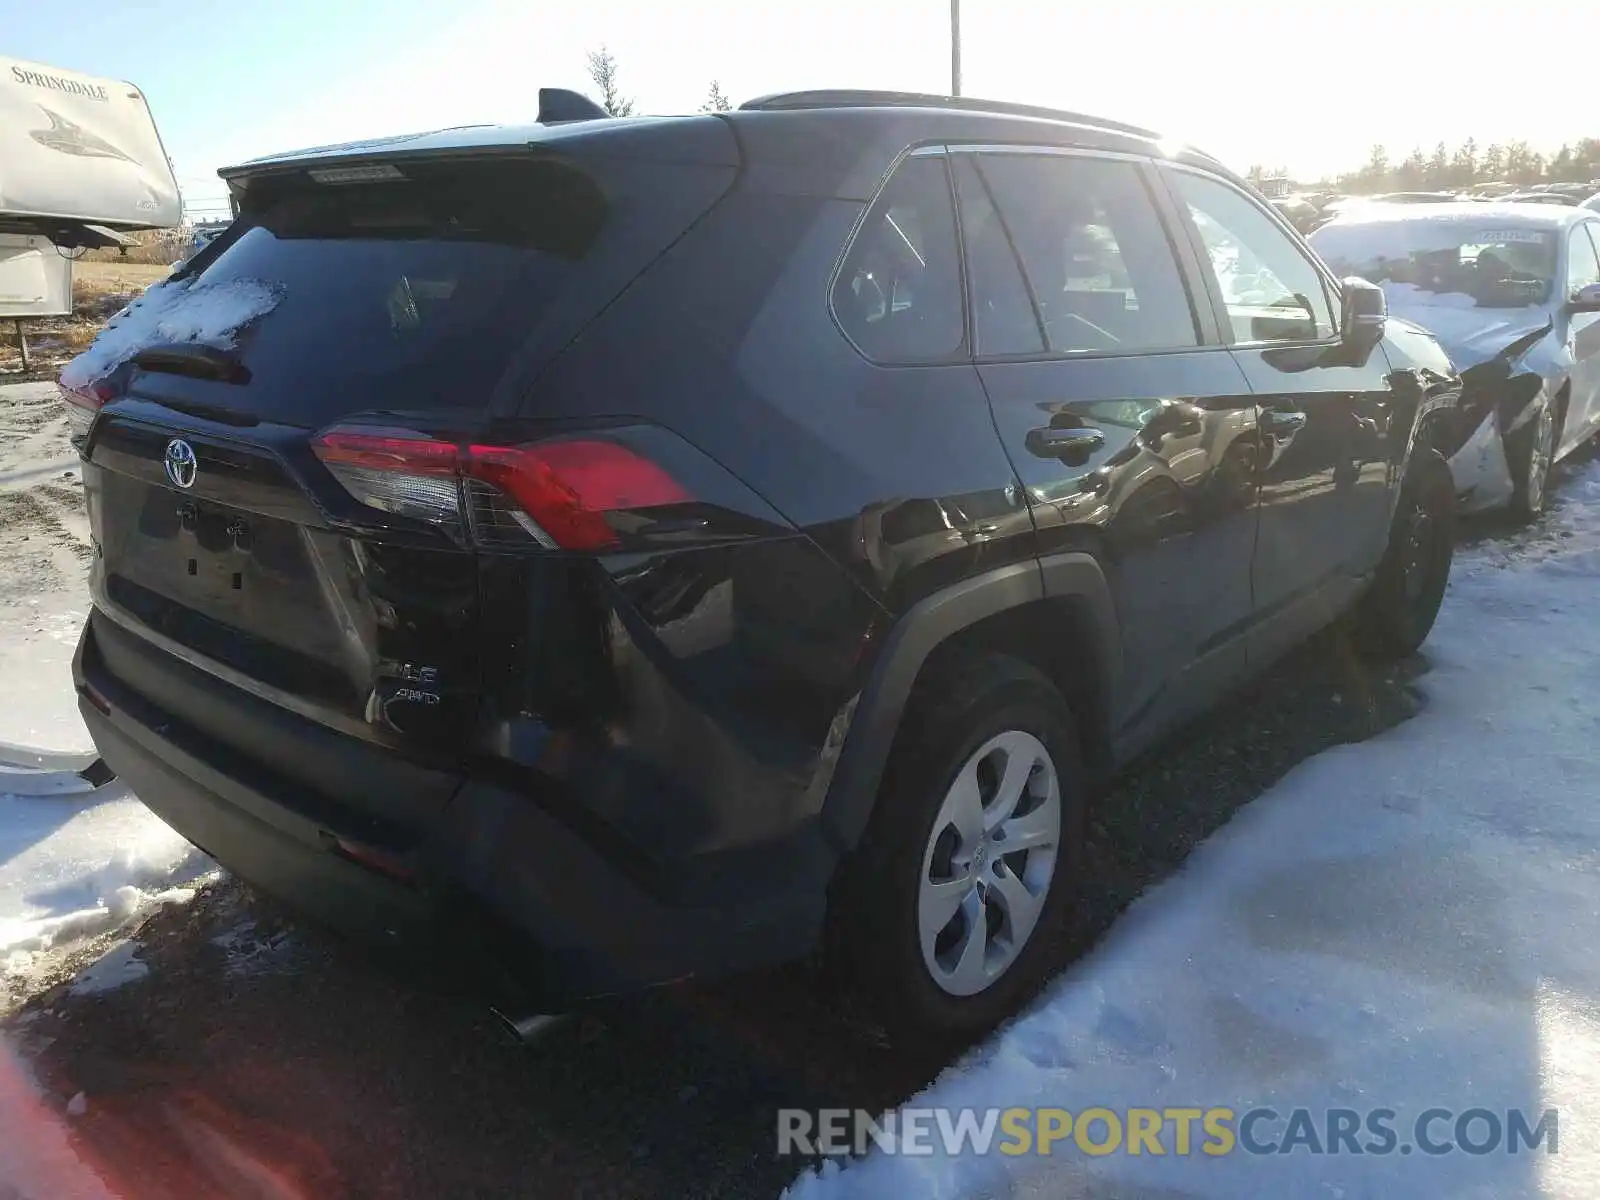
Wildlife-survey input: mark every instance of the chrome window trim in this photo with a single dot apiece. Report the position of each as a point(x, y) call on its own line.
point(1031, 148)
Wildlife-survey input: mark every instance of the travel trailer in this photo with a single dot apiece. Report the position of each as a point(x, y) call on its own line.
point(81, 165)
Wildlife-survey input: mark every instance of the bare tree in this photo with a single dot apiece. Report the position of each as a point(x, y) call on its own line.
point(715, 100)
point(603, 70)
point(1494, 162)
point(1514, 162)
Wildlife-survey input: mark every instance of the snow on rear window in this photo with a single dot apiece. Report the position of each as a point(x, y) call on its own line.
point(207, 314)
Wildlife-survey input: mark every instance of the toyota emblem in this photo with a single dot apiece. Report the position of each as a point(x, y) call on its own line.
point(181, 463)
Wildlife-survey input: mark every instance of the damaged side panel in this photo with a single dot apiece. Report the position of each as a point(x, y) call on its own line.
point(1482, 475)
point(1498, 398)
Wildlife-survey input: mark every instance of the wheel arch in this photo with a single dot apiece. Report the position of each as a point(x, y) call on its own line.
point(1430, 442)
point(1056, 614)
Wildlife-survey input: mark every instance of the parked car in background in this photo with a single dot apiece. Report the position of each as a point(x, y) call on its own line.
point(1298, 211)
point(1413, 197)
point(1513, 293)
point(200, 236)
point(638, 549)
point(1556, 199)
point(203, 235)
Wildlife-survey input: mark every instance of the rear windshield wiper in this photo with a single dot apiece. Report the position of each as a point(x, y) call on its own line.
point(193, 360)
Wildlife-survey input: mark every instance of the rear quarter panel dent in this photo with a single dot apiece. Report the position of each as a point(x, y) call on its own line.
point(870, 721)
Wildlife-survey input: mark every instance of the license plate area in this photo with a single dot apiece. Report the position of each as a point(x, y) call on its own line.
point(246, 570)
point(216, 547)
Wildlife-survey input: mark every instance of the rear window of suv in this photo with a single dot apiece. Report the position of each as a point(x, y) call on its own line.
point(406, 293)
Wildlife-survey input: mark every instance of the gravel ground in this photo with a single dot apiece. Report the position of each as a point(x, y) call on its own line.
point(257, 1057)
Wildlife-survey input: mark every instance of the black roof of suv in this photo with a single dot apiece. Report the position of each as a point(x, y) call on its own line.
point(659, 539)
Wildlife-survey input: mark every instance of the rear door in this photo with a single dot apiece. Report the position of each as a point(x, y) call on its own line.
point(289, 496)
point(1329, 445)
point(1132, 429)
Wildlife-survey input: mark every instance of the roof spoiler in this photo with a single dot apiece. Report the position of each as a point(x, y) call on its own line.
point(560, 104)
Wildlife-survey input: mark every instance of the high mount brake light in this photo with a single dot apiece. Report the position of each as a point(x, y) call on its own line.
point(558, 493)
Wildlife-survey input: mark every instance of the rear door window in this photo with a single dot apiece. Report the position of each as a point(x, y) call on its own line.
point(1004, 319)
point(1099, 265)
point(898, 292)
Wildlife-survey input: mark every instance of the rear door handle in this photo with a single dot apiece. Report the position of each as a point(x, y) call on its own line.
point(1282, 423)
point(1052, 441)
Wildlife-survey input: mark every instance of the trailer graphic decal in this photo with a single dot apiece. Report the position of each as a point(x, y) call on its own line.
point(71, 138)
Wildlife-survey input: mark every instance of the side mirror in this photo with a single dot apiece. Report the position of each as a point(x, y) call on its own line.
point(1585, 299)
point(1366, 312)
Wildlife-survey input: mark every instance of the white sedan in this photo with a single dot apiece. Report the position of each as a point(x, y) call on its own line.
point(1512, 292)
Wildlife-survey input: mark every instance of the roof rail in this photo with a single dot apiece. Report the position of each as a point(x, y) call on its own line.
point(854, 98)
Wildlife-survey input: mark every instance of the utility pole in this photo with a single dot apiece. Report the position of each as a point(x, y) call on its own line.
point(955, 47)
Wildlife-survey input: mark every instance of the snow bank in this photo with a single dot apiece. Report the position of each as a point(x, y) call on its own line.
point(210, 314)
point(76, 868)
point(1406, 923)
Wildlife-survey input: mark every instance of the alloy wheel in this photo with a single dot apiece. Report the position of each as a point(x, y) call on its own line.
point(989, 863)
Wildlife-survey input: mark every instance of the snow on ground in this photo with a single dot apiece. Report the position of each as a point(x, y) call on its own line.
point(44, 553)
point(77, 867)
point(33, 435)
point(37, 637)
point(1406, 923)
point(88, 862)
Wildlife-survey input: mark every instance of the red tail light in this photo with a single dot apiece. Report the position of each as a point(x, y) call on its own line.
point(373, 859)
point(559, 493)
point(84, 402)
point(395, 470)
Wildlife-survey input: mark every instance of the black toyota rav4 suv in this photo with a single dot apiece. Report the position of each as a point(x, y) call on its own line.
point(639, 549)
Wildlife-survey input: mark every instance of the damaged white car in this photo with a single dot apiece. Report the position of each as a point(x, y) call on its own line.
point(1512, 292)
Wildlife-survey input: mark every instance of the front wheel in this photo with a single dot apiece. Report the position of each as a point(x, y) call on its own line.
point(1398, 611)
point(1531, 454)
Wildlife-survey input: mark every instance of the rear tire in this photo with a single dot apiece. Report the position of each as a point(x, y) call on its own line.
point(945, 930)
point(1396, 615)
point(1531, 454)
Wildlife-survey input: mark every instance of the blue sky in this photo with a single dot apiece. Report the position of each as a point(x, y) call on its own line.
point(1306, 84)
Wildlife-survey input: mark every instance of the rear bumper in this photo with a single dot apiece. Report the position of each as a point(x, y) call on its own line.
point(497, 896)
